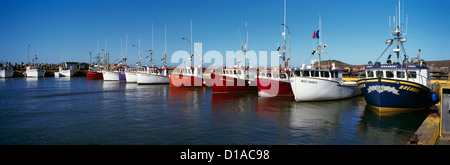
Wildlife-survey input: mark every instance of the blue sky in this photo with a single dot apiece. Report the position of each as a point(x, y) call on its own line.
point(355, 30)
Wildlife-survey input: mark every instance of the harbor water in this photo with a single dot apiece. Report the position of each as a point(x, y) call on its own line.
point(76, 111)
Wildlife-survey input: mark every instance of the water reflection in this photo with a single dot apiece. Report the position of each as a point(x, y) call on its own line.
point(190, 99)
point(236, 102)
point(393, 128)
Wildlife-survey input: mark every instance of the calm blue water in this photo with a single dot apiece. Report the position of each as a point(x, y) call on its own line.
point(76, 111)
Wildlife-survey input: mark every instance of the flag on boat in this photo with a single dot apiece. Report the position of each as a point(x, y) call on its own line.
point(315, 34)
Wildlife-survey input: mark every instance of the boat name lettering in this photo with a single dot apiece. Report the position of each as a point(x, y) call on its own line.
point(409, 88)
point(309, 81)
point(362, 86)
point(382, 88)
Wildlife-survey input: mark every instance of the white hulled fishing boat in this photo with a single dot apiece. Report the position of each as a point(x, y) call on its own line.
point(34, 70)
point(317, 84)
point(64, 72)
point(6, 70)
point(154, 75)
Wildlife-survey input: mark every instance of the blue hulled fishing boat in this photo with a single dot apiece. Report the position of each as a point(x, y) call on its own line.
point(396, 86)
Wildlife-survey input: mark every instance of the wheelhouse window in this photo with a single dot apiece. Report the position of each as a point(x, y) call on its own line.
point(389, 74)
point(275, 75)
point(239, 72)
point(306, 73)
point(400, 74)
point(379, 73)
point(297, 73)
point(235, 72)
point(316, 74)
point(283, 75)
point(369, 73)
point(325, 74)
point(269, 75)
point(413, 74)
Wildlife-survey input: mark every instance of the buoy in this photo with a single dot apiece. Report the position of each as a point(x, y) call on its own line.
point(433, 97)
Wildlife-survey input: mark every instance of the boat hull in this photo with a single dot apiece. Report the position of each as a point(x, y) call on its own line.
point(148, 79)
point(6, 73)
point(224, 84)
point(35, 73)
point(94, 75)
point(312, 89)
point(131, 77)
point(273, 87)
point(113, 76)
point(395, 95)
point(179, 80)
point(110, 76)
point(64, 73)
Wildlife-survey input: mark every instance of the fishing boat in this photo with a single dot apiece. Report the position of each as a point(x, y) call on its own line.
point(154, 75)
point(131, 73)
point(398, 86)
point(276, 82)
point(321, 84)
point(187, 77)
point(95, 70)
point(93, 74)
point(318, 84)
point(116, 73)
point(64, 72)
point(235, 79)
point(34, 70)
point(6, 70)
point(273, 83)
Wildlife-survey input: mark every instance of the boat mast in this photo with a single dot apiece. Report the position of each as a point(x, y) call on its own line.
point(151, 51)
point(165, 45)
point(397, 32)
point(126, 48)
point(284, 37)
point(190, 47)
point(98, 53)
point(140, 63)
point(320, 41)
point(245, 47)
